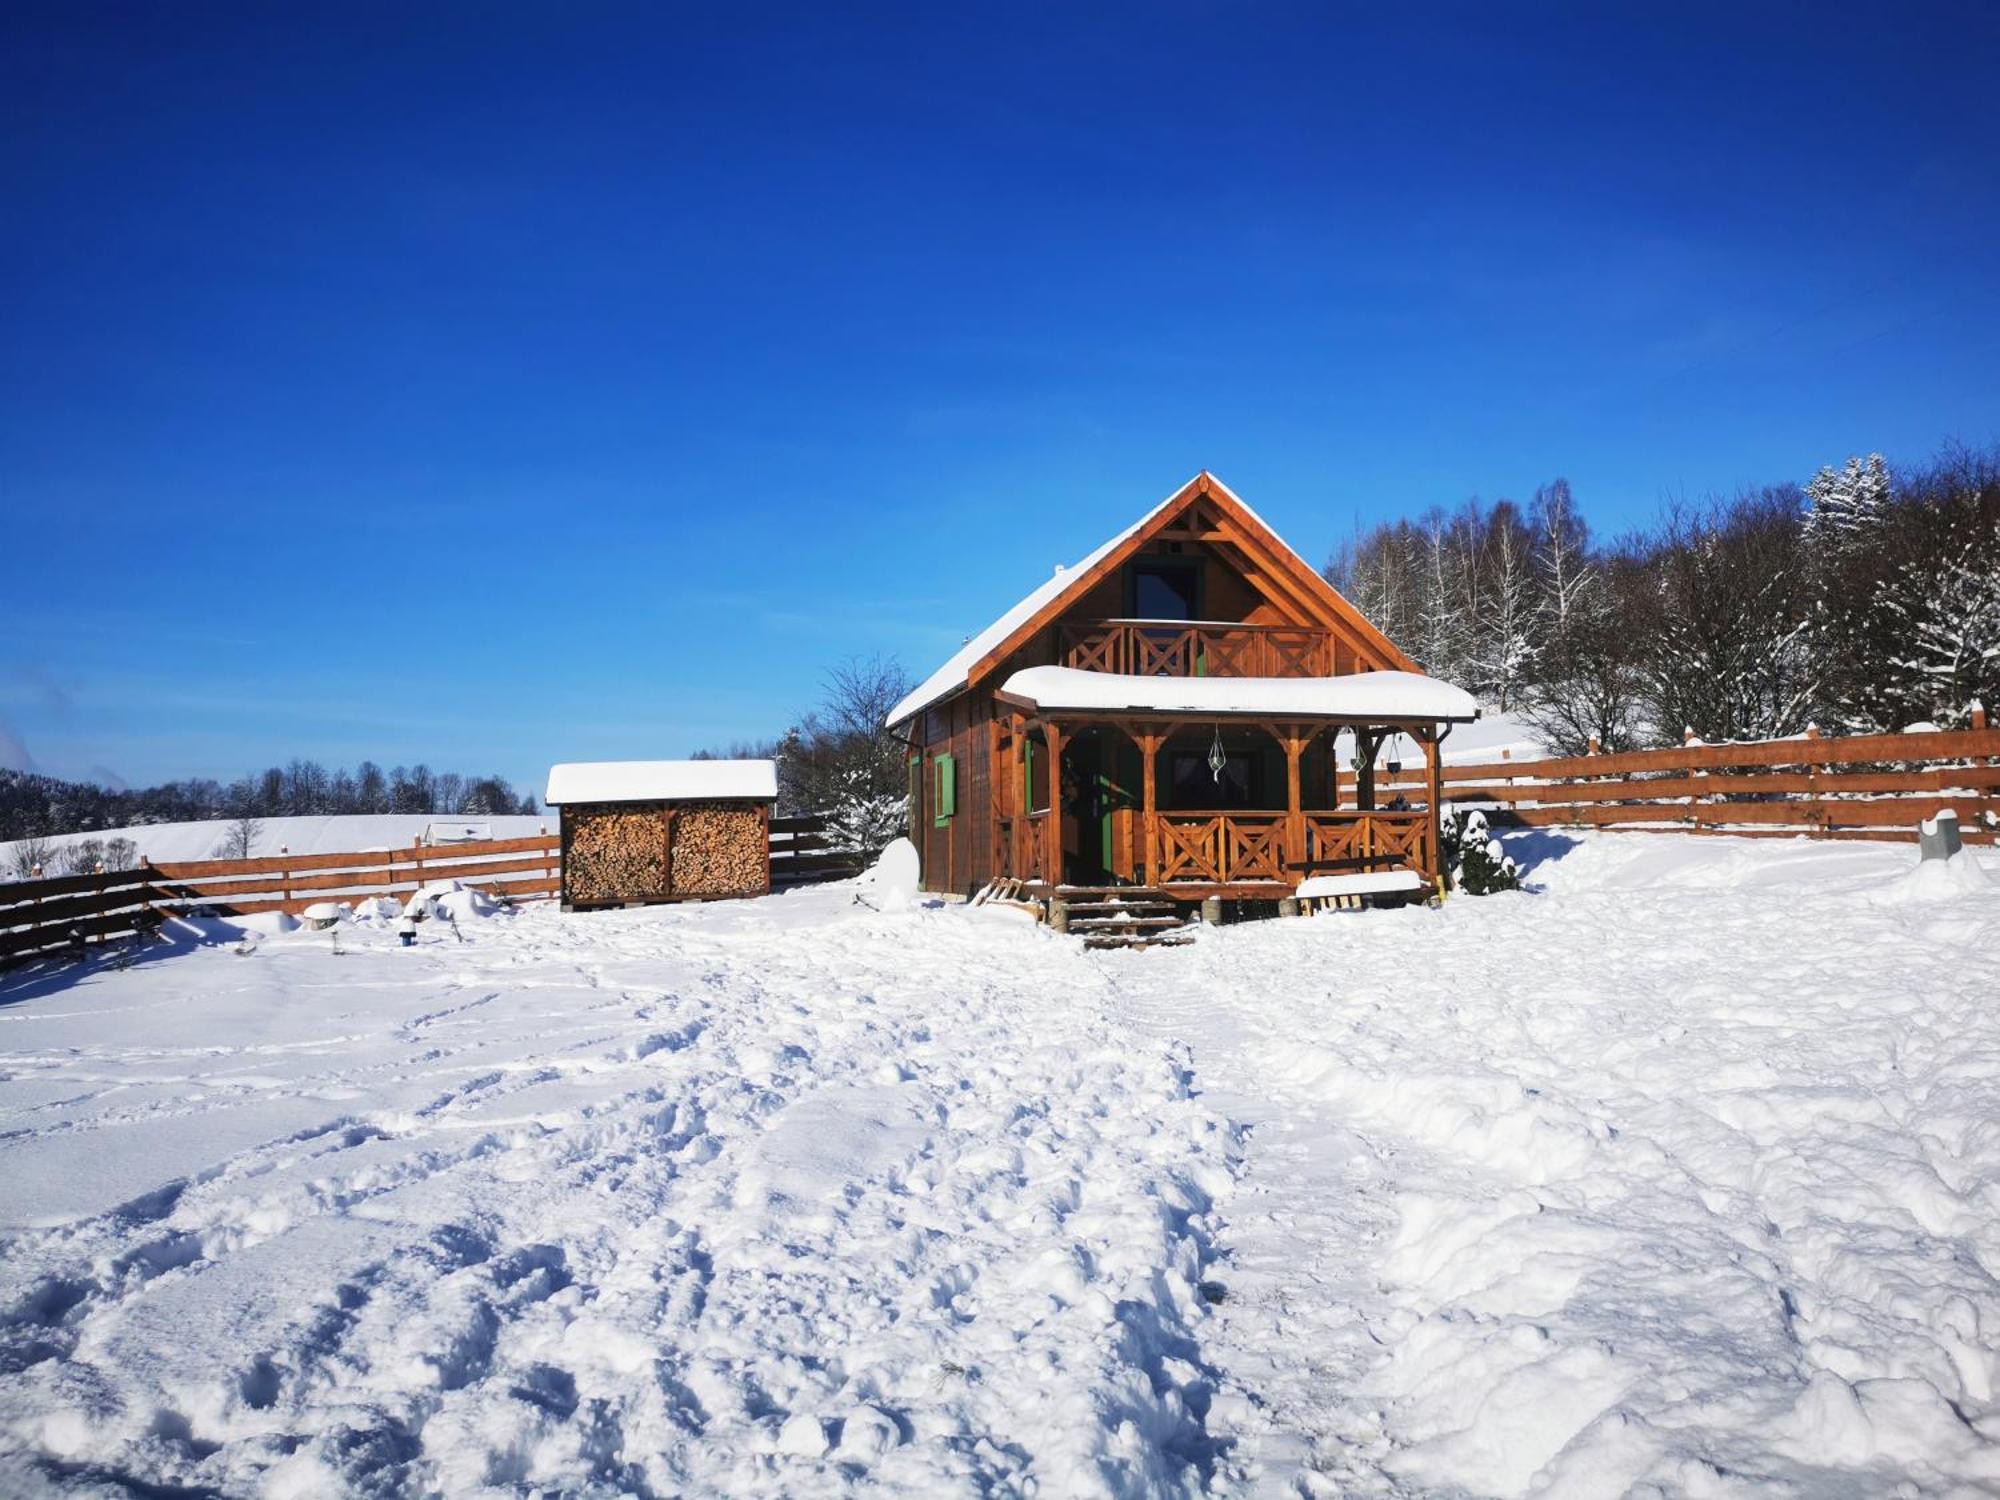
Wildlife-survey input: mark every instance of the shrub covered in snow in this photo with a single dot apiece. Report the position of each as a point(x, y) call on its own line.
point(1478, 865)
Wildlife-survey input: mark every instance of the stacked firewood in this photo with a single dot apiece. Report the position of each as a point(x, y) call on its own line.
point(616, 853)
point(719, 849)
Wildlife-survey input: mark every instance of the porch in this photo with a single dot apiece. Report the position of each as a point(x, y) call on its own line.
point(1106, 780)
point(1252, 856)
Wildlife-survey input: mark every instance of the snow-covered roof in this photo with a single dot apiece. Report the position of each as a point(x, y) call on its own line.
point(955, 673)
point(1377, 696)
point(662, 781)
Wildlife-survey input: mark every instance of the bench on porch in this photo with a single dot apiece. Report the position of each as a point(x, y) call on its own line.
point(1343, 881)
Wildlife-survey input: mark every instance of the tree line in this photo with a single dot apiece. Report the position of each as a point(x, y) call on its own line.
point(1865, 600)
point(34, 806)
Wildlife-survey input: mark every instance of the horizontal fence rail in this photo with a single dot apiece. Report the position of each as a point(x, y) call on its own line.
point(1852, 786)
point(63, 913)
point(67, 911)
point(804, 852)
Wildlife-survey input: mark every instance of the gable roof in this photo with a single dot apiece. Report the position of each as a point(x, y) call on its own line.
point(1300, 579)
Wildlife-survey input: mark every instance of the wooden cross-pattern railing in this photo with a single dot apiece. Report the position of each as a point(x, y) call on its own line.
point(1236, 848)
point(1151, 649)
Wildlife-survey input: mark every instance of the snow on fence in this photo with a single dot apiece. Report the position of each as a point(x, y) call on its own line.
point(1858, 786)
point(64, 912)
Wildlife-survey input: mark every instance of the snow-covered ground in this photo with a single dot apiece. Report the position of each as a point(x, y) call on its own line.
point(1679, 1175)
point(163, 843)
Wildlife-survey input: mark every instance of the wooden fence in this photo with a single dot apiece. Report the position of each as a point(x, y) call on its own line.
point(65, 912)
point(804, 853)
point(1859, 786)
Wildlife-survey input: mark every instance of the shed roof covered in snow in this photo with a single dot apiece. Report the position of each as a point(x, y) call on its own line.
point(1376, 697)
point(662, 781)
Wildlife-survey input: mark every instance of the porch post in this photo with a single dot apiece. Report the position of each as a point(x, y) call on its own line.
point(1434, 777)
point(1366, 744)
point(1149, 749)
point(1018, 794)
point(1054, 737)
point(1294, 742)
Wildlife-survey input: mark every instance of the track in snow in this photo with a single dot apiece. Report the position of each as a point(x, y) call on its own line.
point(1680, 1174)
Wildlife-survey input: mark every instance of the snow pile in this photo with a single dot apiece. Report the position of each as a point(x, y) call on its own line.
point(896, 877)
point(1931, 881)
point(1675, 1178)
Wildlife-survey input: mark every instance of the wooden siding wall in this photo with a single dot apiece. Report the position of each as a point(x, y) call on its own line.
point(958, 856)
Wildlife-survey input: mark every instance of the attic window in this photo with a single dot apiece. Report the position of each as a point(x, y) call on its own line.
point(1164, 588)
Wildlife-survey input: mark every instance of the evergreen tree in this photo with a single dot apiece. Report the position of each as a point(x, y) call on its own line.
point(1477, 864)
point(1846, 506)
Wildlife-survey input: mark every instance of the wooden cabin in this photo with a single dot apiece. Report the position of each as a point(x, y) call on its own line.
point(636, 832)
point(1192, 708)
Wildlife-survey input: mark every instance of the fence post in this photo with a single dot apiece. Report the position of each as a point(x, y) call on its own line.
point(284, 878)
point(1815, 806)
point(1699, 777)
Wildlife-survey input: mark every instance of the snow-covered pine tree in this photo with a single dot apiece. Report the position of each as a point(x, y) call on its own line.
point(1844, 506)
point(1477, 864)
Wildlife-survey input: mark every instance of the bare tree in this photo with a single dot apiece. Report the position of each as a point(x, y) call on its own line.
point(33, 854)
point(239, 837)
point(841, 759)
point(82, 856)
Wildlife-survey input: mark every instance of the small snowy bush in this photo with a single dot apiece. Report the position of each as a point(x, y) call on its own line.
point(1478, 865)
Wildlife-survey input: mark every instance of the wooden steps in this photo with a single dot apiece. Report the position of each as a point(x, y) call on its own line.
point(1123, 916)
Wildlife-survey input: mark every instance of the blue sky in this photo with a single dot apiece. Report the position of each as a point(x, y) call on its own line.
point(499, 385)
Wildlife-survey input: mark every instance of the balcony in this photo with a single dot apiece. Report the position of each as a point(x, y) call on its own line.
point(1172, 648)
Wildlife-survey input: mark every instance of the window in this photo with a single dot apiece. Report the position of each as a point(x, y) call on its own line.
point(945, 770)
point(1191, 784)
point(1165, 588)
point(1035, 767)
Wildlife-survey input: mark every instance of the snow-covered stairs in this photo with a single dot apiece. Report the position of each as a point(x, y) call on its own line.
point(1123, 916)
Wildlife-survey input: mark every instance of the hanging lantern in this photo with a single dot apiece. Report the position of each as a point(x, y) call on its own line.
point(1217, 756)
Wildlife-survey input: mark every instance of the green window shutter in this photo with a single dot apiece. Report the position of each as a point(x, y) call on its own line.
point(947, 787)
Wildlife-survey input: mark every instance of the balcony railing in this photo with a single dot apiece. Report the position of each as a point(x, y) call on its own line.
point(1151, 648)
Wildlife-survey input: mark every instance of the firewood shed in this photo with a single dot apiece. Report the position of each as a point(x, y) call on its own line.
point(636, 832)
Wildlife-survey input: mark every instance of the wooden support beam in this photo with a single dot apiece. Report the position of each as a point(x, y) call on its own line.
point(1435, 782)
point(1052, 859)
point(1149, 742)
point(1294, 740)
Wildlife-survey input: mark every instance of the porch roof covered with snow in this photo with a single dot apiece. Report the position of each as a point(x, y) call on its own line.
point(1358, 698)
